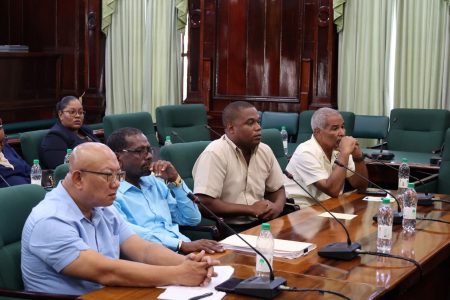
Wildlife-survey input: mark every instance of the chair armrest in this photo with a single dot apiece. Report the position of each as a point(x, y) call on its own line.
point(211, 229)
point(33, 295)
point(426, 180)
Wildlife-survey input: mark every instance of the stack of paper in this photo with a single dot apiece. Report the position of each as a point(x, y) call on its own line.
point(282, 248)
point(185, 292)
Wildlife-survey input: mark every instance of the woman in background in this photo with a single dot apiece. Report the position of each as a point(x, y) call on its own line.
point(67, 133)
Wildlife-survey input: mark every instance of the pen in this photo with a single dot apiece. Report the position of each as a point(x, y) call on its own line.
point(201, 296)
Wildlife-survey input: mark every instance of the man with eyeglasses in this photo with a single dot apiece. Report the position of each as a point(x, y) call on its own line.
point(73, 239)
point(146, 200)
point(13, 169)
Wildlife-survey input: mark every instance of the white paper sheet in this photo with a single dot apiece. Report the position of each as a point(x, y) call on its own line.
point(175, 292)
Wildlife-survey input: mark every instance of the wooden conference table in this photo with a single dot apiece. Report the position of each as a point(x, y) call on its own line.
point(365, 277)
point(385, 173)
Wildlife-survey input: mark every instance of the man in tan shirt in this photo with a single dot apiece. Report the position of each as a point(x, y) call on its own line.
point(237, 176)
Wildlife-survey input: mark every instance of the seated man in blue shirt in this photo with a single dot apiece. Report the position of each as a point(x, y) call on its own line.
point(13, 169)
point(147, 202)
point(72, 240)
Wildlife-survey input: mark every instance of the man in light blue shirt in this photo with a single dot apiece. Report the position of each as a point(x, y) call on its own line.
point(72, 240)
point(146, 201)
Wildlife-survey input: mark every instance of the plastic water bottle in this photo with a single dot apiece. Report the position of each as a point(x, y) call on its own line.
point(66, 158)
point(168, 141)
point(409, 208)
point(36, 173)
point(284, 137)
point(264, 244)
point(403, 176)
point(385, 221)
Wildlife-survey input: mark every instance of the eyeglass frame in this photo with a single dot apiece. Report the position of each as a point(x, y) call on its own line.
point(141, 152)
point(119, 176)
point(74, 113)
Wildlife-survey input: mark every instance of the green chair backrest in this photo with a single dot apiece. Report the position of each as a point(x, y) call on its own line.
point(276, 120)
point(16, 203)
point(140, 120)
point(30, 142)
point(183, 123)
point(417, 130)
point(183, 157)
point(304, 126)
point(60, 172)
point(272, 137)
point(371, 127)
point(444, 170)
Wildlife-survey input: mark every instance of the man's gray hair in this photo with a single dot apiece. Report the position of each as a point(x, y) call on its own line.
point(319, 118)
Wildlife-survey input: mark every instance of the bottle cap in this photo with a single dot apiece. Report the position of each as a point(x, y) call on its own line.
point(386, 200)
point(404, 160)
point(410, 185)
point(69, 151)
point(283, 127)
point(35, 161)
point(265, 226)
point(167, 137)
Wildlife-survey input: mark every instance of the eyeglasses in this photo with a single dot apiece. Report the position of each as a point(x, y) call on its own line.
point(73, 113)
point(110, 177)
point(141, 152)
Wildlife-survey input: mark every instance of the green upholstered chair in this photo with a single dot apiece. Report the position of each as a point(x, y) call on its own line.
point(16, 203)
point(371, 127)
point(183, 123)
point(60, 172)
point(30, 142)
point(183, 157)
point(276, 120)
point(438, 183)
point(140, 120)
point(272, 137)
point(417, 130)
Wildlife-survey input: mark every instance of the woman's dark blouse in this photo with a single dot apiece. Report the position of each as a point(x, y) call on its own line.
point(55, 144)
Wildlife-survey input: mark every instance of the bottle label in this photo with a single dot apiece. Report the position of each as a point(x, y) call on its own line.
point(261, 265)
point(409, 213)
point(384, 232)
point(285, 144)
point(403, 183)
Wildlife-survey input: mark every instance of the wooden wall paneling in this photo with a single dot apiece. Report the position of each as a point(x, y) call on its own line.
point(272, 60)
point(194, 50)
point(255, 48)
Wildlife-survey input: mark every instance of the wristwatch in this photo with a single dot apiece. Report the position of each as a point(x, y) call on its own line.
point(176, 183)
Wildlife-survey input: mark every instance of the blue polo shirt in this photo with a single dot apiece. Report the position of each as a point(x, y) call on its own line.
point(55, 233)
point(153, 213)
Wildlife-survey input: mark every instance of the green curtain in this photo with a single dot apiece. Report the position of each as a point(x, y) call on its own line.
point(338, 14)
point(124, 58)
point(363, 57)
point(162, 61)
point(421, 57)
point(143, 54)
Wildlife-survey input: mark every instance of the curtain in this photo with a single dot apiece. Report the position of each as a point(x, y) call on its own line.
point(363, 57)
point(162, 61)
point(422, 54)
point(124, 58)
point(143, 53)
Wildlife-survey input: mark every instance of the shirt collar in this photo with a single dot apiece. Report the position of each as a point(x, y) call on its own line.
point(71, 203)
point(236, 148)
point(334, 154)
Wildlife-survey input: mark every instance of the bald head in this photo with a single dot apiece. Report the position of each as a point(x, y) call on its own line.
point(91, 156)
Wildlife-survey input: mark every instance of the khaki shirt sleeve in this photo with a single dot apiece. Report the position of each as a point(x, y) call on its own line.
point(209, 174)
